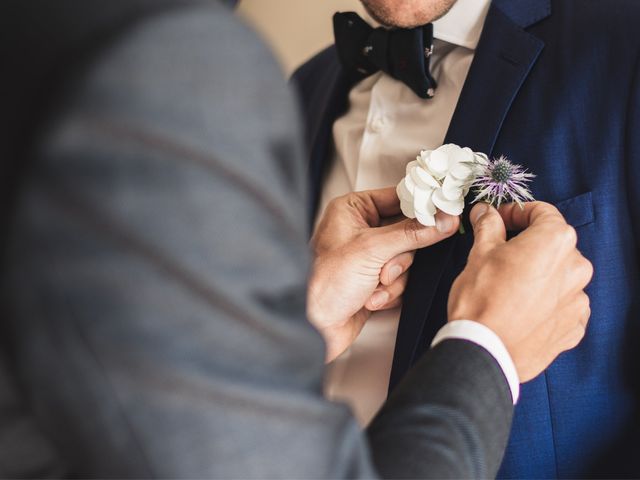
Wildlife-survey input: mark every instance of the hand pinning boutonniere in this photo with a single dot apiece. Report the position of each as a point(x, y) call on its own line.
point(440, 179)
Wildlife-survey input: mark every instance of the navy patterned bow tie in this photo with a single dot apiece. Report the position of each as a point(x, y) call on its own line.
point(402, 53)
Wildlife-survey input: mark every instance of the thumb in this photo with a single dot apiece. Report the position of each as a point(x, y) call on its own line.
point(488, 228)
point(409, 234)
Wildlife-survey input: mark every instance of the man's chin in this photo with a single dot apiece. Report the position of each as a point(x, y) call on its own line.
point(406, 13)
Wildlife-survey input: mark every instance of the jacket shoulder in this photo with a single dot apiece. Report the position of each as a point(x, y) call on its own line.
point(611, 9)
point(309, 76)
point(316, 64)
point(612, 19)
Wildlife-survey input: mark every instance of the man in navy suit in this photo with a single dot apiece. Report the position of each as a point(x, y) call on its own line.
point(155, 263)
point(555, 86)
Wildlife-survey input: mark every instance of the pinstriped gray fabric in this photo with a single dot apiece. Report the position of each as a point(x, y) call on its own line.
point(158, 266)
point(467, 431)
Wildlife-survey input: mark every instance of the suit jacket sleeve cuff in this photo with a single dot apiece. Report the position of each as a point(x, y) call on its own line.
point(486, 338)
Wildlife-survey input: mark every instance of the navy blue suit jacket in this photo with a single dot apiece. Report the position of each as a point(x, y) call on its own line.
point(555, 86)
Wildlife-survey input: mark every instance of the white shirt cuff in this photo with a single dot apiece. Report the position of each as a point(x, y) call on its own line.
point(485, 337)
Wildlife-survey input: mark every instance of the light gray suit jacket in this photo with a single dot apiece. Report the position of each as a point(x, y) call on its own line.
point(155, 260)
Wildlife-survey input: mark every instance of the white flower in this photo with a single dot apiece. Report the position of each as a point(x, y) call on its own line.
point(438, 180)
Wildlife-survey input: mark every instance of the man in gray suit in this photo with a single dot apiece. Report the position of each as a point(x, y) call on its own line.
point(155, 266)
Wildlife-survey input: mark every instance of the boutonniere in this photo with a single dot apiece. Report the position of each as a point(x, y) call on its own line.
point(440, 179)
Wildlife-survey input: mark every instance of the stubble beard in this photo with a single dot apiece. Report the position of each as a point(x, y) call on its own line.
point(407, 13)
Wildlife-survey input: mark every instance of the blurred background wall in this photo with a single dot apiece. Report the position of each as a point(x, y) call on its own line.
point(296, 29)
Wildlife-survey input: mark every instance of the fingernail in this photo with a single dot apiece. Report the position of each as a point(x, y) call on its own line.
point(444, 223)
point(394, 272)
point(478, 211)
point(379, 298)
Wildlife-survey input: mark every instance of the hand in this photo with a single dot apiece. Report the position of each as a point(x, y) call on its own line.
point(528, 290)
point(361, 262)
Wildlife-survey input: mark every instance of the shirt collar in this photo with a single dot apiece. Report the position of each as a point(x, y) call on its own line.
point(462, 25)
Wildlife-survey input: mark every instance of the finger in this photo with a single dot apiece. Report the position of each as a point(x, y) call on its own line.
point(392, 304)
point(372, 205)
point(488, 229)
point(405, 236)
point(396, 267)
point(582, 271)
point(575, 274)
point(391, 220)
point(367, 208)
point(340, 337)
point(572, 340)
point(574, 314)
point(444, 221)
point(580, 314)
point(377, 299)
point(518, 217)
point(385, 296)
point(385, 200)
point(568, 327)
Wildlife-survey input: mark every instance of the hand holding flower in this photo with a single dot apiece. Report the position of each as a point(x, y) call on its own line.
point(361, 262)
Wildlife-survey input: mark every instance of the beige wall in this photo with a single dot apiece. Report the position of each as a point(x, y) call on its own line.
point(296, 29)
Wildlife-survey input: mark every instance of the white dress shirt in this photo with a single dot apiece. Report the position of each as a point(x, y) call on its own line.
point(384, 128)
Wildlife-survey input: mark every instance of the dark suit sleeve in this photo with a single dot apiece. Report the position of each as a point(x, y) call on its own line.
point(156, 266)
point(450, 417)
point(633, 151)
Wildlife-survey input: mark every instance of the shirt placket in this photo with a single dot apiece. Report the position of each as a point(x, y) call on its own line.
point(374, 136)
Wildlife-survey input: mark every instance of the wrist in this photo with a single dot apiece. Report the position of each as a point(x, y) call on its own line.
point(486, 338)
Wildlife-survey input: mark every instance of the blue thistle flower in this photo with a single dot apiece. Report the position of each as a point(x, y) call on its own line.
point(499, 181)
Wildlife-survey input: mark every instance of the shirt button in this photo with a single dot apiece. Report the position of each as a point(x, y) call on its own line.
point(377, 124)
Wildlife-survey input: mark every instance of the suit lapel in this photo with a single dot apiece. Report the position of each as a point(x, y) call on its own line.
point(327, 104)
point(504, 57)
